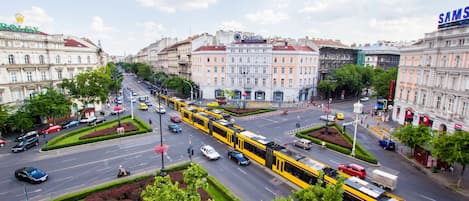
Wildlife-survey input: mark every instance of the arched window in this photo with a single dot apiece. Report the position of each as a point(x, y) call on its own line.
point(57, 59)
point(11, 59)
point(88, 59)
point(79, 59)
point(41, 59)
point(27, 59)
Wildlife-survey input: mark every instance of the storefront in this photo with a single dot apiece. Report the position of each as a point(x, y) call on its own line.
point(408, 116)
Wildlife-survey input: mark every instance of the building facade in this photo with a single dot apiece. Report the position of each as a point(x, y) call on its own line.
point(332, 55)
point(256, 71)
point(31, 62)
point(433, 81)
point(381, 55)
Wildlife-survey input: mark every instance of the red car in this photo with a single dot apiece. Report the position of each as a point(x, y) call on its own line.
point(2, 143)
point(52, 129)
point(175, 119)
point(353, 170)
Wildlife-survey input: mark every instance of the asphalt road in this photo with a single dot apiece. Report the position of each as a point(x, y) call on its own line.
point(412, 184)
point(79, 167)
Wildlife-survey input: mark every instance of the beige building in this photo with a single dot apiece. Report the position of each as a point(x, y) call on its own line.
point(32, 61)
point(433, 81)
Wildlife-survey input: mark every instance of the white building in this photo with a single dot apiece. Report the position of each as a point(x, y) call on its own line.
point(31, 61)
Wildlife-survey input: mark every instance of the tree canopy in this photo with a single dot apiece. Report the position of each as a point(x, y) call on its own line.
point(20, 120)
point(382, 80)
point(163, 189)
point(49, 105)
point(413, 136)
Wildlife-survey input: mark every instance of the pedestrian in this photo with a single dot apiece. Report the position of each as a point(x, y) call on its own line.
point(149, 121)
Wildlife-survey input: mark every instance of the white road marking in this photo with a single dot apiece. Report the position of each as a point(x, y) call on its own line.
point(169, 158)
point(271, 191)
point(334, 162)
point(68, 160)
point(133, 157)
point(36, 191)
point(428, 198)
point(273, 121)
point(244, 172)
point(63, 179)
point(3, 193)
point(103, 169)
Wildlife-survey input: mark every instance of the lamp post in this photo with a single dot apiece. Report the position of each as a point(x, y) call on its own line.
point(357, 109)
point(161, 149)
point(192, 90)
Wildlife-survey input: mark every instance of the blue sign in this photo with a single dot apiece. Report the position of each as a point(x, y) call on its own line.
point(456, 17)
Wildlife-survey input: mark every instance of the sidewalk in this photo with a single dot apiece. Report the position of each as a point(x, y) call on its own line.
point(445, 178)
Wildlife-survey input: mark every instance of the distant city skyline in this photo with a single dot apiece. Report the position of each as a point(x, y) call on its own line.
point(126, 26)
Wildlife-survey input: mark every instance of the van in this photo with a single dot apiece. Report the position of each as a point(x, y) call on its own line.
point(27, 136)
point(303, 143)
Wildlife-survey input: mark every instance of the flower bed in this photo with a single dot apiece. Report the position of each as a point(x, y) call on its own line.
point(333, 136)
point(244, 112)
point(132, 191)
point(128, 127)
point(241, 111)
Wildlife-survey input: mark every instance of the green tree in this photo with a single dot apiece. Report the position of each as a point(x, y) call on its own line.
point(382, 81)
point(20, 121)
point(349, 79)
point(179, 85)
point(228, 93)
point(195, 177)
point(327, 87)
point(49, 105)
point(319, 192)
point(116, 77)
point(144, 71)
point(163, 189)
point(89, 87)
point(453, 148)
point(413, 136)
point(4, 115)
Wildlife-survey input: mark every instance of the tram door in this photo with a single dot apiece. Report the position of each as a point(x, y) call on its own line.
point(269, 155)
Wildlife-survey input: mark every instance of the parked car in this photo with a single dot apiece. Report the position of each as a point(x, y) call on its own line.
point(143, 106)
point(115, 112)
point(142, 98)
point(88, 119)
point(327, 117)
point(238, 157)
point(209, 152)
point(31, 175)
point(174, 128)
point(148, 103)
point(2, 143)
point(98, 120)
point(212, 104)
point(71, 124)
point(27, 135)
point(364, 99)
point(353, 170)
point(339, 116)
point(134, 93)
point(25, 144)
point(303, 143)
point(133, 100)
point(160, 109)
point(52, 129)
point(175, 119)
point(387, 144)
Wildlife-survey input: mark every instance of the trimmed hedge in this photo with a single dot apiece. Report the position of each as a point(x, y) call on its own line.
point(82, 194)
point(143, 128)
point(360, 152)
point(259, 111)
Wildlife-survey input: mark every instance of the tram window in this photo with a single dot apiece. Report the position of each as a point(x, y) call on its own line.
point(219, 131)
point(300, 173)
point(255, 150)
point(349, 197)
point(199, 121)
point(186, 115)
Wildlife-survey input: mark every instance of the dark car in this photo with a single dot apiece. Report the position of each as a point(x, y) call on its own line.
point(175, 119)
point(238, 157)
point(387, 144)
point(174, 128)
point(27, 135)
point(31, 175)
point(98, 120)
point(71, 124)
point(25, 144)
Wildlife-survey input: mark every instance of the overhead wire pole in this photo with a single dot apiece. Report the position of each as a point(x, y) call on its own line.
point(163, 171)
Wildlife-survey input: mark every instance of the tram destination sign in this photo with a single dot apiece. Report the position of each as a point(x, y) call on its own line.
point(18, 28)
point(459, 16)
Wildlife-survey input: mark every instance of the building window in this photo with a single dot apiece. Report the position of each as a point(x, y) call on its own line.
point(263, 82)
point(275, 82)
point(291, 59)
point(17, 95)
point(222, 81)
point(415, 97)
point(57, 59)
point(69, 59)
point(424, 99)
point(232, 69)
point(70, 75)
point(215, 59)
point(300, 82)
point(59, 75)
point(232, 59)
point(79, 59)
point(41, 59)
point(400, 93)
point(457, 60)
point(255, 81)
point(461, 42)
point(283, 70)
point(447, 43)
point(27, 59)
point(11, 59)
point(275, 69)
point(408, 95)
point(444, 61)
point(429, 60)
point(240, 80)
point(264, 70)
point(215, 69)
point(438, 102)
point(249, 59)
point(43, 75)
point(248, 81)
point(450, 105)
point(215, 80)
point(291, 70)
point(275, 60)
point(88, 59)
point(222, 69)
point(223, 59)
point(13, 77)
point(232, 81)
point(29, 76)
point(208, 59)
point(290, 82)
point(283, 60)
point(282, 82)
point(465, 106)
point(208, 69)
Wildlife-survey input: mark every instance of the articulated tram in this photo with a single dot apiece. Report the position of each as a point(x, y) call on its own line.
point(298, 169)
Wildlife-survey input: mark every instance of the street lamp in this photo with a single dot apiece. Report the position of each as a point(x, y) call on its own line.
point(162, 148)
point(192, 90)
point(357, 109)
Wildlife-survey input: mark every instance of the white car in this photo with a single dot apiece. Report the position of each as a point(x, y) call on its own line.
point(209, 152)
point(160, 110)
point(327, 117)
point(88, 120)
point(364, 99)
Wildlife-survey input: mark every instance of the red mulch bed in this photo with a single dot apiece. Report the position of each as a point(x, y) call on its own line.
point(333, 136)
point(128, 126)
point(240, 110)
point(132, 191)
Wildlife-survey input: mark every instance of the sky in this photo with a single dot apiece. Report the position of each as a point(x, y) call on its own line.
point(125, 26)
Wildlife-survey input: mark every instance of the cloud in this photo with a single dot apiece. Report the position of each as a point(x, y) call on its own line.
point(35, 16)
point(232, 25)
point(171, 6)
point(153, 30)
point(315, 6)
point(99, 29)
point(281, 3)
point(267, 17)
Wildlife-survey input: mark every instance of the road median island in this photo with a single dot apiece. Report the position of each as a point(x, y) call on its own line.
point(130, 188)
point(343, 147)
point(94, 133)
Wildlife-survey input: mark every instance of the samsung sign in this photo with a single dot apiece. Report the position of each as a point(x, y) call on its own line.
point(456, 17)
